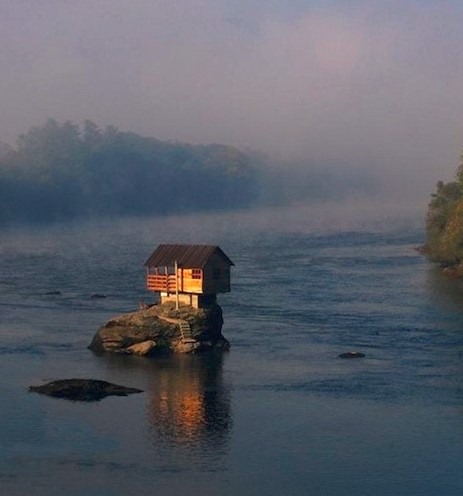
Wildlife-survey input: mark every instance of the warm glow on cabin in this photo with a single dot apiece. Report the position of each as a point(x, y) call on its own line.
point(190, 274)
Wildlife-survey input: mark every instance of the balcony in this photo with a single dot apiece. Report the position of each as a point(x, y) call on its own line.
point(164, 283)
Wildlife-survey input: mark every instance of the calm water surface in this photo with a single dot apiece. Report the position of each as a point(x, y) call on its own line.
point(280, 414)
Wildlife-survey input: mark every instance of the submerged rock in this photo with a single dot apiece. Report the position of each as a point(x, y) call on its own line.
point(162, 328)
point(352, 354)
point(83, 389)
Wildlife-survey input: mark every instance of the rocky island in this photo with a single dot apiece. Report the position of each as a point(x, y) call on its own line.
point(187, 319)
point(162, 328)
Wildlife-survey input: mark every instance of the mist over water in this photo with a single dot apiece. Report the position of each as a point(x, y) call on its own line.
point(362, 84)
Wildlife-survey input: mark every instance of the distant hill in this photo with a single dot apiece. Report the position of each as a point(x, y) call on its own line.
point(63, 171)
point(444, 222)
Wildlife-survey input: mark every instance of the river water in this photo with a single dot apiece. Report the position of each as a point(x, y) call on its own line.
point(281, 413)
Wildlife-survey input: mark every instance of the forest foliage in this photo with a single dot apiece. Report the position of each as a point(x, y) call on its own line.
point(444, 222)
point(61, 171)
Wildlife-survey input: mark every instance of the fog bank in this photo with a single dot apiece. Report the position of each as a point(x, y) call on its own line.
point(364, 84)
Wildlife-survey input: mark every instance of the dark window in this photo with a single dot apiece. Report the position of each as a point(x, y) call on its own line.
point(196, 273)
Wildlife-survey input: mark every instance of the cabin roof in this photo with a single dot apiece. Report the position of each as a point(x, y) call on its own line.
point(184, 255)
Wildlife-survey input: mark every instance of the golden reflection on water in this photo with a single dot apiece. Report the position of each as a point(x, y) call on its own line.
point(188, 403)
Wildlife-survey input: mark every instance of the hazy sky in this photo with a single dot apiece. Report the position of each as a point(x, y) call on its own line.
point(375, 83)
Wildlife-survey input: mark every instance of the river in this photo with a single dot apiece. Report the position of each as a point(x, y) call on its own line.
point(280, 413)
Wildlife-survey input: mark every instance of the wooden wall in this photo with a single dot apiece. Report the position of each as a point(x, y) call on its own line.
point(188, 284)
point(213, 278)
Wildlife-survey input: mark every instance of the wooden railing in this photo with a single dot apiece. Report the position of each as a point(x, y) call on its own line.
point(167, 284)
point(157, 282)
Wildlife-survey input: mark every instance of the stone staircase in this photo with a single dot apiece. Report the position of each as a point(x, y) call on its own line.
point(185, 331)
point(184, 327)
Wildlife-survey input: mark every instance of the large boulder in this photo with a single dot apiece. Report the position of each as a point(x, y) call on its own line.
point(157, 329)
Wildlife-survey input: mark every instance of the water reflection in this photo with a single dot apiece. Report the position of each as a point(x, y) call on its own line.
point(188, 403)
point(188, 408)
point(188, 413)
point(445, 290)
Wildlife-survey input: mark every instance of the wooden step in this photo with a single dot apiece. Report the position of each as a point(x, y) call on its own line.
point(185, 331)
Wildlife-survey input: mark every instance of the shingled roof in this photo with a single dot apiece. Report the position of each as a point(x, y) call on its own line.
point(184, 255)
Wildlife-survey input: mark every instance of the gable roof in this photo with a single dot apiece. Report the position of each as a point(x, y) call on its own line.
point(184, 255)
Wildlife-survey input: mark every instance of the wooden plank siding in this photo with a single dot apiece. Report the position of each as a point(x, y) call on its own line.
point(215, 278)
point(190, 284)
point(158, 282)
point(167, 284)
point(200, 271)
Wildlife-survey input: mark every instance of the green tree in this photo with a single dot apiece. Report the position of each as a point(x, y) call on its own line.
point(61, 171)
point(444, 221)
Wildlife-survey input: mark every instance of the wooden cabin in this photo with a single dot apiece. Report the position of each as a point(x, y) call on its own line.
point(188, 274)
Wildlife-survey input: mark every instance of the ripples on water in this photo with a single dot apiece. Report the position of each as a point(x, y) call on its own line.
point(279, 414)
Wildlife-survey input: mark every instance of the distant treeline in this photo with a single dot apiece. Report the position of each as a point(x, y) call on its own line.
point(64, 171)
point(444, 222)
